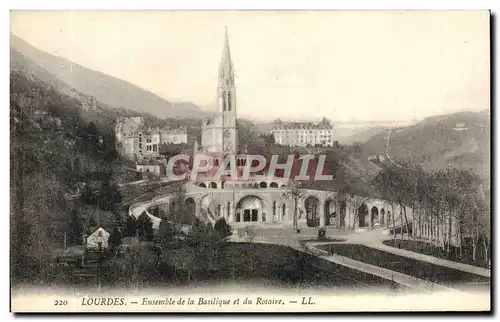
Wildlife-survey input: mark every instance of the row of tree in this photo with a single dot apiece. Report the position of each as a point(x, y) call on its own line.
point(448, 205)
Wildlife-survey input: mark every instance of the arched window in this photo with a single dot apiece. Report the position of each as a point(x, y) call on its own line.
point(273, 185)
point(202, 185)
point(228, 101)
point(263, 184)
point(213, 185)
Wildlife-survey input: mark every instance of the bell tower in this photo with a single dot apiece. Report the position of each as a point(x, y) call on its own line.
point(226, 98)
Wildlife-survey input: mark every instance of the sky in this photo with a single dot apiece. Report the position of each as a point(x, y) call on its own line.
point(344, 65)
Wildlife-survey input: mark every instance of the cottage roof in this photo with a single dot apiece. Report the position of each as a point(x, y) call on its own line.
point(108, 230)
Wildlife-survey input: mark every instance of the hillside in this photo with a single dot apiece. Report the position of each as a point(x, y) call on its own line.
point(61, 153)
point(105, 88)
point(361, 136)
point(436, 143)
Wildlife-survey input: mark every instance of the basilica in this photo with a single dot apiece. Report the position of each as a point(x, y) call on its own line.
point(259, 199)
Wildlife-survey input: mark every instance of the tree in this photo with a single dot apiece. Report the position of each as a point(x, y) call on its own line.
point(76, 230)
point(250, 235)
point(77, 168)
point(165, 235)
point(131, 227)
point(197, 241)
point(145, 227)
point(91, 138)
point(109, 196)
point(223, 229)
point(212, 242)
point(115, 239)
point(164, 240)
point(356, 203)
point(178, 214)
point(87, 196)
point(294, 194)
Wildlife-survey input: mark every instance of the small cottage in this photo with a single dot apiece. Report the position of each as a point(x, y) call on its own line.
point(98, 239)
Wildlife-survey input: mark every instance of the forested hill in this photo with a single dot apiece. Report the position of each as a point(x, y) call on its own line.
point(59, 157)
point(460, 140)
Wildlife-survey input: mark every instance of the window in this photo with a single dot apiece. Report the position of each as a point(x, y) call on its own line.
point(148, 140)
point(255, 212)
point(99, 233)
point(246, 215)
point(148, 148)
point(155, 147)
point(238, 217)
point(140, 146)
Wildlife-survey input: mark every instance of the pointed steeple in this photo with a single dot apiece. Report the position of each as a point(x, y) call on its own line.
point(226, 73)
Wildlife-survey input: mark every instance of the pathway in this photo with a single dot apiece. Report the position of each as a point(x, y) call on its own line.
point(397, 277)
point(430, 259)
point(374, 239)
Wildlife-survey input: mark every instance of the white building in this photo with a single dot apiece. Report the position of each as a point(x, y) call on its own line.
point(304, 133)
point(98, 239)
point(135, 142)
point(460, 127)
point(156, 168)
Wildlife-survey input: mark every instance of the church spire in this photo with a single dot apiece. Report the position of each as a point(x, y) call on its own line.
point(226, 73)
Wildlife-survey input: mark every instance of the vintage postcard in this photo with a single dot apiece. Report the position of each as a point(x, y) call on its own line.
point(250, 161)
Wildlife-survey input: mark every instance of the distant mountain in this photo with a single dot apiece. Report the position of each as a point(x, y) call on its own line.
point(105, 88)
point(459, 140)
point(361, 136)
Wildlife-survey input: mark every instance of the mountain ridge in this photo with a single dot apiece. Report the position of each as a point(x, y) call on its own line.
point(108, 89)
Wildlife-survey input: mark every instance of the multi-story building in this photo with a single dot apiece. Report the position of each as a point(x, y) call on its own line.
point(304, 133)
point(136, 142)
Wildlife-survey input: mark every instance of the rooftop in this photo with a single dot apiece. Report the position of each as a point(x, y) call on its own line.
point(322, 125)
